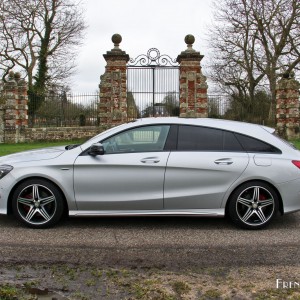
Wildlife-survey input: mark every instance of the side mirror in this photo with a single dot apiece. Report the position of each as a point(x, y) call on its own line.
point(96, 149)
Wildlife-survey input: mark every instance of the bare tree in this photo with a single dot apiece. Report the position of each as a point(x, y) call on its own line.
point(255, 41)
point(234, 36)
point(278, 23)
point(40, 37)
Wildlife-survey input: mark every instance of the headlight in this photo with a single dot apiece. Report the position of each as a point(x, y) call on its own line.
point(4, 170)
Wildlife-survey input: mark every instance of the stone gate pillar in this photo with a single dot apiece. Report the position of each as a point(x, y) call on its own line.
point(287, 107)
point(15, 108)
point(21, 102)
point(193, 87)
point(113, 93)
point(10, 92)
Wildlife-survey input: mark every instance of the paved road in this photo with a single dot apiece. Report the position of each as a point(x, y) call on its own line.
point(174, 243)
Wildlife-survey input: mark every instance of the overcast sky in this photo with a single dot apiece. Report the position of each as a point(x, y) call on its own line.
point(161, 24)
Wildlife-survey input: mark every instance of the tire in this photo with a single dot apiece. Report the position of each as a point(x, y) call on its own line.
point(38, 203)
point(253, 205)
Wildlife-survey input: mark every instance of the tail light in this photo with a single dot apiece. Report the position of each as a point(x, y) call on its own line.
point(296, 163)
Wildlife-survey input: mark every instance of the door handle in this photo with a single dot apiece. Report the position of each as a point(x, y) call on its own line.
point(223, 161)
point(150, 160)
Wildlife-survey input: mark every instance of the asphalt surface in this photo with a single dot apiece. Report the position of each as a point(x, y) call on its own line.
point(169, 242)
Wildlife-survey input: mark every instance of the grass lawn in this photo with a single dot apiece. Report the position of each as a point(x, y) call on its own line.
point(296, 143)
point(13, 148)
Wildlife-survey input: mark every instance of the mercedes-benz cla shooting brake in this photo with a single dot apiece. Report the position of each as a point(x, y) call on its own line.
point(157, 166)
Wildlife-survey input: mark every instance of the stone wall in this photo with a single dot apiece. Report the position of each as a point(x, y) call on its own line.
point(59, 133)
point(50, 134)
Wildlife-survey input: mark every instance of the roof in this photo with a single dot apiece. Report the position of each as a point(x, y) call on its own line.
point(236, 126)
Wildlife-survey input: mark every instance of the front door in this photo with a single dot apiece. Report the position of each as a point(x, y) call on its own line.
point(129, 176)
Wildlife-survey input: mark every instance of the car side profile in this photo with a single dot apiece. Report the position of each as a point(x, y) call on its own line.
point(157, 166)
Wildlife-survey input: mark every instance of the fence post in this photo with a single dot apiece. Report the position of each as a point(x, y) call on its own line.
point(113, 93)
point(193, 87)
point(287, 107)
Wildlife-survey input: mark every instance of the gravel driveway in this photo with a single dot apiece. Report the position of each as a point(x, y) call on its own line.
point(151, 258)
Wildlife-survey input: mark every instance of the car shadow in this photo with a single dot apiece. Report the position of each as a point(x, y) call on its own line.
point(150, 222)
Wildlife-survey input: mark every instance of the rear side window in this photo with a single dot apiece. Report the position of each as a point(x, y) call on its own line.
point(194, 138)
point(231, 143)
point(253, 145)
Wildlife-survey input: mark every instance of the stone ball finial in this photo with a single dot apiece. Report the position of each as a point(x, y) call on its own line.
point(189, 39)
point(116, 39)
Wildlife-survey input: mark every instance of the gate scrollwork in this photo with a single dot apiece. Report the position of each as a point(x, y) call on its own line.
point(153, 58)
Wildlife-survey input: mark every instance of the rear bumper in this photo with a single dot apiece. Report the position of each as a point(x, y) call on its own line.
point(290, 194)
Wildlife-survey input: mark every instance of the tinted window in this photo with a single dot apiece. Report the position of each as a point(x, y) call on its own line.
point(253, 145)
point(231, 143)
point(194, 138)
point(142, 139)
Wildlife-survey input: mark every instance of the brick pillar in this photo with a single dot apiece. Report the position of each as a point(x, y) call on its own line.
point(15, 107)
point(10, 92)
point(193, 87)
point(113, 93)
point(287, 107)
point(22, 102)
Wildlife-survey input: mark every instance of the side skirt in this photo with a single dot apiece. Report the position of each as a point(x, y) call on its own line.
point(191, 212)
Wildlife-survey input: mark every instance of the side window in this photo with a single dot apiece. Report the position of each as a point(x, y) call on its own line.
point(231, 144)
point(141, 139)
point(196, 138)
point(253, 145)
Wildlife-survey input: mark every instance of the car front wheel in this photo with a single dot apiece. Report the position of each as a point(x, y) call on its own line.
point(38, 203)
point(253, 205)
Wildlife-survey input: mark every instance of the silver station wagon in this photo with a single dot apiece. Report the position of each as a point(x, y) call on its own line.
point(157, 167)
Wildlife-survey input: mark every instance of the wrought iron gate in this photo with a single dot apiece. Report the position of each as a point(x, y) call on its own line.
point(152, 85)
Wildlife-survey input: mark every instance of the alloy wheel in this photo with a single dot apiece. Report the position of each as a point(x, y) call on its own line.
point(36, 204)
point(255, 205)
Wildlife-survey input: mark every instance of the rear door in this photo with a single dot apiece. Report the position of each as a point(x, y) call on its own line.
point(206, 163)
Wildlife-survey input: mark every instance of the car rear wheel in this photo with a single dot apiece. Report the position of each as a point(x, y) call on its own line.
point(38, 203)
point(253, 205)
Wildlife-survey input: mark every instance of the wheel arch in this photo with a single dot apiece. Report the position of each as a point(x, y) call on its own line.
point(256, 180)
point(9, 203)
